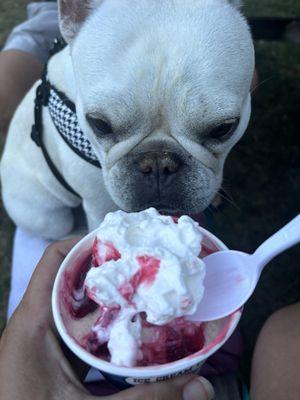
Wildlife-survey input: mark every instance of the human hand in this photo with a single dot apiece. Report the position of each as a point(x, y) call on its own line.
point(33, 365)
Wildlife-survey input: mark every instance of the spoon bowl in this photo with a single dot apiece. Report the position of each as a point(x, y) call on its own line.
point(227, 272)
point(231, 276)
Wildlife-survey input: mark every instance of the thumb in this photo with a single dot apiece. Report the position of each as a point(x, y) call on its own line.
point(185, 387)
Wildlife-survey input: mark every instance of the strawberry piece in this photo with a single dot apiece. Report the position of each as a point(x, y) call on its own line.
point(92, 342)
point(171, 342)
point(154, 345)
point(104, 251)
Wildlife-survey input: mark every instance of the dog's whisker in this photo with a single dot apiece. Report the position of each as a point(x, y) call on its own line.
point(226, 185)
point(228, 198)
point(262, 83)
point(226, 191)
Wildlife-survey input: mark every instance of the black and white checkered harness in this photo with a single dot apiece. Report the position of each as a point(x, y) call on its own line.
point(63, 114)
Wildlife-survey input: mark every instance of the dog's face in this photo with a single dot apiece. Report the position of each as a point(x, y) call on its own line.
point(162, 93)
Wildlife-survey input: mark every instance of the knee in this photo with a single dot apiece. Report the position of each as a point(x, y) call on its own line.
point(284, 320)
point(18, 71)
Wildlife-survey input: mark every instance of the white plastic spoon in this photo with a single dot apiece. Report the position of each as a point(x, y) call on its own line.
point(231, 276)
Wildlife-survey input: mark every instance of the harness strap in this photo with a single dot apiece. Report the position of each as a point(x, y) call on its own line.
point(63, 114)
point(37, 132)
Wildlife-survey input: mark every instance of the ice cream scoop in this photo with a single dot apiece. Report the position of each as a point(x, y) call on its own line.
point(231, 276)
point(144, 264)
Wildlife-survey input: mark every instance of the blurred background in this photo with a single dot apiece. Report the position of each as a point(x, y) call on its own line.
point(262, 175)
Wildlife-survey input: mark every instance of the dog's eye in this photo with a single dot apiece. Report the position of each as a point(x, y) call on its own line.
point(224, 131)
point(99, 126)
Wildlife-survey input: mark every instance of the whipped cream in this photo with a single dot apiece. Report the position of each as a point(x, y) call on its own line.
point(145, 262)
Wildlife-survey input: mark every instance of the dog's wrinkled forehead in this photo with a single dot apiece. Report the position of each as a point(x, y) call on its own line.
point(180, 53)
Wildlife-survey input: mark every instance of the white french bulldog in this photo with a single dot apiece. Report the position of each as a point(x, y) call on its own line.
point(162, 92)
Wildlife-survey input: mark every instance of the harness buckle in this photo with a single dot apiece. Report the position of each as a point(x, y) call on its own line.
point(35, 136)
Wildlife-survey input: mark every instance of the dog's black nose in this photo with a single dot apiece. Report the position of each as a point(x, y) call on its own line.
point(156, 175)
point(159, 164)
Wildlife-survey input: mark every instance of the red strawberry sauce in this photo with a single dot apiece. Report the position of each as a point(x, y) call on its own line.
point(171, 342)
point(160, 344)
point(149, 267)
point(103, 252)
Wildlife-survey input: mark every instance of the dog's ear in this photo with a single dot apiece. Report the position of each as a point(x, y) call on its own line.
point(72, 14)
point(236, 3)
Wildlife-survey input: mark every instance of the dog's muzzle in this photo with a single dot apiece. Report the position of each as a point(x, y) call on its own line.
point(158, 169)
point(154, 177)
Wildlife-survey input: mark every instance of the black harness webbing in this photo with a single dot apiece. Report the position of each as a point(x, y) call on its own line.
point(59, 100)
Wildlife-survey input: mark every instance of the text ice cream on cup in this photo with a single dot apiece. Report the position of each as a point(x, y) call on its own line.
point(130, 298)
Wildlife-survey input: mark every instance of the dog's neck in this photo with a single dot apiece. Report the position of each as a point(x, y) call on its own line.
point(61, 74)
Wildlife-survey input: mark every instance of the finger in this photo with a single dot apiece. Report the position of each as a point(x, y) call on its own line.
point(197, 389)
point(41, 283)
point(46, 270)
point(36, 303)
point(186, 387)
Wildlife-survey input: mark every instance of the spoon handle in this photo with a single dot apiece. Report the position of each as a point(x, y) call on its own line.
point(285, 238)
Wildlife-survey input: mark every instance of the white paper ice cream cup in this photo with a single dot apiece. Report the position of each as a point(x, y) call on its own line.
point(216, 333)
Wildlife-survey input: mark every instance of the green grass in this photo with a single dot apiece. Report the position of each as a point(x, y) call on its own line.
point(273, 8)
point(11, 13)
point(262, 173)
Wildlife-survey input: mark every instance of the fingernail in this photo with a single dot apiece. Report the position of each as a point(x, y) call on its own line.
point(198, 388)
